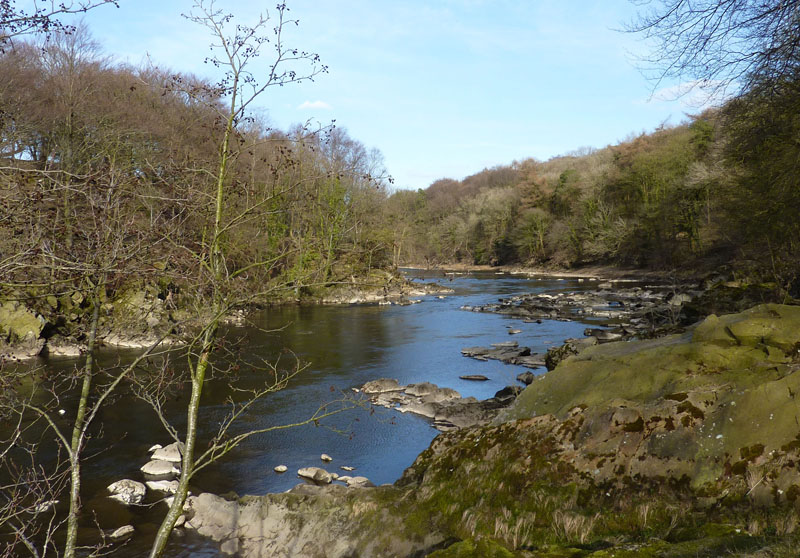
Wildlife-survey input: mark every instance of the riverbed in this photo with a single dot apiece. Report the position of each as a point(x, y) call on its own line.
point(341, 347)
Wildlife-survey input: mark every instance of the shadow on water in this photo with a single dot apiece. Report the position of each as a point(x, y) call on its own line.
point(342, 347)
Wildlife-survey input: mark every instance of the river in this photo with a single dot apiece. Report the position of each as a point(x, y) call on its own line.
point(343, 347)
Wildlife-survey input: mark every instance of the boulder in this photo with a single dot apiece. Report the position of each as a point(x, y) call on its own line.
point(212, 516)
point(440, 395)
point(326, 458)
point(331, 521)
point(382, 385)
point(165, 486)
point(526, 378)
point(421, 389)
point(18, 323)
point(61, 348)
point(315, 475)
point(172, 453)
point(359, 482)
point(419, 408)
point(281, 469)
point(160, 470)
point(127, 491)
point(474, 377)
point(122, 533)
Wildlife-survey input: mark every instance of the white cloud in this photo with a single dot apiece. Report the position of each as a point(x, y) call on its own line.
point(314, 105)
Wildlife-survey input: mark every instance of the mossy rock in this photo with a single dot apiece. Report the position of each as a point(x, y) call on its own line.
point(483, 548)
point(18, 323)
point(735, 375)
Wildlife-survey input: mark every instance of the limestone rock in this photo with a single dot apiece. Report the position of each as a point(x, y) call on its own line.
point(212, 516)
point(165, 486)
point(18, 323)
point(315, 474)
point(359, 482)
point(421, 389)
point(172, 453)
point(127, 491)
point(122, 533)
point(382, 385)
point(526, 378)
point(474, 377)
point(160, 470)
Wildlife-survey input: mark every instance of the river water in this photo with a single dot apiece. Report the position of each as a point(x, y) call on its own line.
point(343, 347)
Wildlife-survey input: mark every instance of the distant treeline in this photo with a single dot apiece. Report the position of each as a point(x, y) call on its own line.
point(722, 189)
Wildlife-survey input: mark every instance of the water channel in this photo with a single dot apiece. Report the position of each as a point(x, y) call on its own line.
point(343, 346)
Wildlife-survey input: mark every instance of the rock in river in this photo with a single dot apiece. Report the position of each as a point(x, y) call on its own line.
point(382, 385)
point(127, 491)
point(165, 486)
point(171, 453)
point(158, 470)
point(122, 533)
point(315, 475)
point(526, 378)
point(474, 377)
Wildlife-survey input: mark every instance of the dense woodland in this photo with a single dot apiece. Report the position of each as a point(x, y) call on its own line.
point(720, 189)
point(109, 167)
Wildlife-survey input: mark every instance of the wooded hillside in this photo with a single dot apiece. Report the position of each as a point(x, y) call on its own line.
point(105, 165)
point(719, 189)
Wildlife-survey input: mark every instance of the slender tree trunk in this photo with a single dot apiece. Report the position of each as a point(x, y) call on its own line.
point(77, 438)
point(198, 374)
point(187, 464)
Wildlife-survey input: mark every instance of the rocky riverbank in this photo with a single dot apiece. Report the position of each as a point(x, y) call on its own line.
point(138, 317)
point(444, 406)
point(681, 446)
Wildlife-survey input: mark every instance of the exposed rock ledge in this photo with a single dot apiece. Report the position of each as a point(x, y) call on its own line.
point(307, 521)
point(387, 289)
point(444, 406)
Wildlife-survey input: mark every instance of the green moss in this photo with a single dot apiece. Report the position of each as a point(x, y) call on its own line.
point(18, 323)
point(752, 452)
point(694, 412)
point(482, 548)
point(636, 426)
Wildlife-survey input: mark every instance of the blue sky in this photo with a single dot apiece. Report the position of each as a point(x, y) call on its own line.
point(444, 88)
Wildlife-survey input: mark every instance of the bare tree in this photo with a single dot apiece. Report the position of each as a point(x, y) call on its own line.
point(237, 55)
point(721, 45)
point(41, 16)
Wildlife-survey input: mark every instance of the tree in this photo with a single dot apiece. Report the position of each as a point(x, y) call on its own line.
point(41, 17)
point(236, 56)
point(719, 44)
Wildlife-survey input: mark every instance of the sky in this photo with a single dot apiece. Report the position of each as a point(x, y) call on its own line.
point(443, 88)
